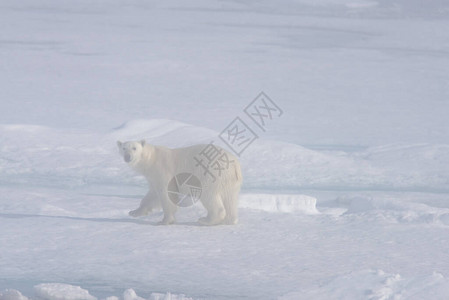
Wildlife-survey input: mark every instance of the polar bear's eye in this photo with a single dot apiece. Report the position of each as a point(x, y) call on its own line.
point(134, 148)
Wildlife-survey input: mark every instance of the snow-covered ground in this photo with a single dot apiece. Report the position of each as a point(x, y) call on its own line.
point(345, 195)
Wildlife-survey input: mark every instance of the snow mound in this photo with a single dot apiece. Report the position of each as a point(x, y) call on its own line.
point(23, 128)
point(377, 284)
point(35, 155)
point(60, 291)
point(168, 296)
point(398, 211)
point(165, 132)
point(288, 203)
point(279, 164)
point(12, 295)
point(130, 294)
point(150, 127)
point(422, 163)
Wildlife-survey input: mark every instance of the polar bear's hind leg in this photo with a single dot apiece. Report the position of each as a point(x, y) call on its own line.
point(216, 212)
point(231, 205)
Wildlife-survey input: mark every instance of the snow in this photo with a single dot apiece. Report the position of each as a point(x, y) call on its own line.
point(345, 196)
point(10, 294)
point(59, 291)
point(288, 203)
point(376, 284)
point(130, 294)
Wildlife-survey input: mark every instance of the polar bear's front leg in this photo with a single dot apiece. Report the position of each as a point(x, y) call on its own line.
point(147, 204)
point(169, 209)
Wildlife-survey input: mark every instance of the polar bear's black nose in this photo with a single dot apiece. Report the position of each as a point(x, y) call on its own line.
point(127, 157)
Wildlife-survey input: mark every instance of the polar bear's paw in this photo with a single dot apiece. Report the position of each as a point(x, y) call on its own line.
point(138, 213)
point(166, 221)
point(208, 222)
point(231, 221)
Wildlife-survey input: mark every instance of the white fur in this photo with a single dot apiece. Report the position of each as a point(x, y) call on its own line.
point(160, 164)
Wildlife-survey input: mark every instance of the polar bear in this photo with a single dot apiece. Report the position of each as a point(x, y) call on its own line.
point(218, 172)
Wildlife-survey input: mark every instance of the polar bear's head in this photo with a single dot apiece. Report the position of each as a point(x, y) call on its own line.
point(131, 151)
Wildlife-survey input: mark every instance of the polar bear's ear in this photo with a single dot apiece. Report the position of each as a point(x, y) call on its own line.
point(119, 144)
point(142, 142)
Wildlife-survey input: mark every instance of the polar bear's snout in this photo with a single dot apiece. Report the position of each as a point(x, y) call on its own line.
point(127, 157)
